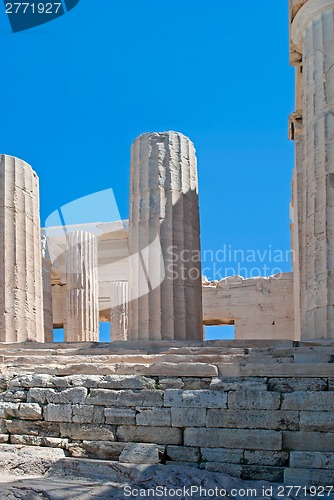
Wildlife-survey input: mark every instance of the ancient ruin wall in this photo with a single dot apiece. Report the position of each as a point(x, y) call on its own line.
point(260, 308)
point(263, 427)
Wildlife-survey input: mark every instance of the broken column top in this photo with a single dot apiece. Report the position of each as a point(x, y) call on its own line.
point(157, 135)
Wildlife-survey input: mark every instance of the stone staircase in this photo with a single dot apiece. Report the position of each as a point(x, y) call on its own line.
point(236, 358)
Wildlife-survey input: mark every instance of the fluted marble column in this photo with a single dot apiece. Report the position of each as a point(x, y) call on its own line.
point(312, 34)
point(82, 319)
point(47, 292)
point(165, 290)
point(119, 310)
point(21, 295)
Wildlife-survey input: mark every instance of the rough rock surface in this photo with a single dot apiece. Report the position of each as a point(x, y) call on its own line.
point(46, 474)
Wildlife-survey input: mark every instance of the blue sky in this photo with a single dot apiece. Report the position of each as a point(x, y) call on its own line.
point(77, 91)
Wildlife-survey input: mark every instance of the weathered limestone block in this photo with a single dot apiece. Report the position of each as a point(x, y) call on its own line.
point(233, 438)
point(297, 384)
point(183, 454)
point(4, 438)
point(119, 299)
point(82, 319)
point(261, 472)
point(194, 384)
point(144, 434)
point(126, 382)
point(312, 460)
point(165, 289)
point(237, 383)
point(3, 429)
point(221, 455)
point(21, 294)
point(308, 476)
point(39, 441)
point(181, 369)
point(14, 396)
point(118, 416)
point(195, 399)
point(311, 401)
point(191, 417)
point(33, 428)
point(87, 414)
point(233, 470)
point(321, 421)
point(248, 399)
point(88, 432)
point(253, 419)
point(261, 457)
point(29, 411)
point(140, 454)
point(105, 397)
point(153, 416)
point(30, 380)
point(73, 395)
point(58, 413)
point(47, 292)
point(308, 441)
point(105, 450)
point(87, 381)
point(170, 383)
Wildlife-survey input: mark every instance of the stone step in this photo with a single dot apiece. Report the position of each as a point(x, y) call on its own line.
point(277, 370)
point(183, 369)
point(310, 477)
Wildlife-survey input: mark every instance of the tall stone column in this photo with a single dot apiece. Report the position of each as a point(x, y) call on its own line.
point(165, 292)
point(82, 319)
point(21, 296)
point(47, 292)
point(119, 311)
point(312, 35)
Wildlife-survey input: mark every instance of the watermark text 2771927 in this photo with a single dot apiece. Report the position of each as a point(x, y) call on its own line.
point(33, 7)
point(27, 15)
